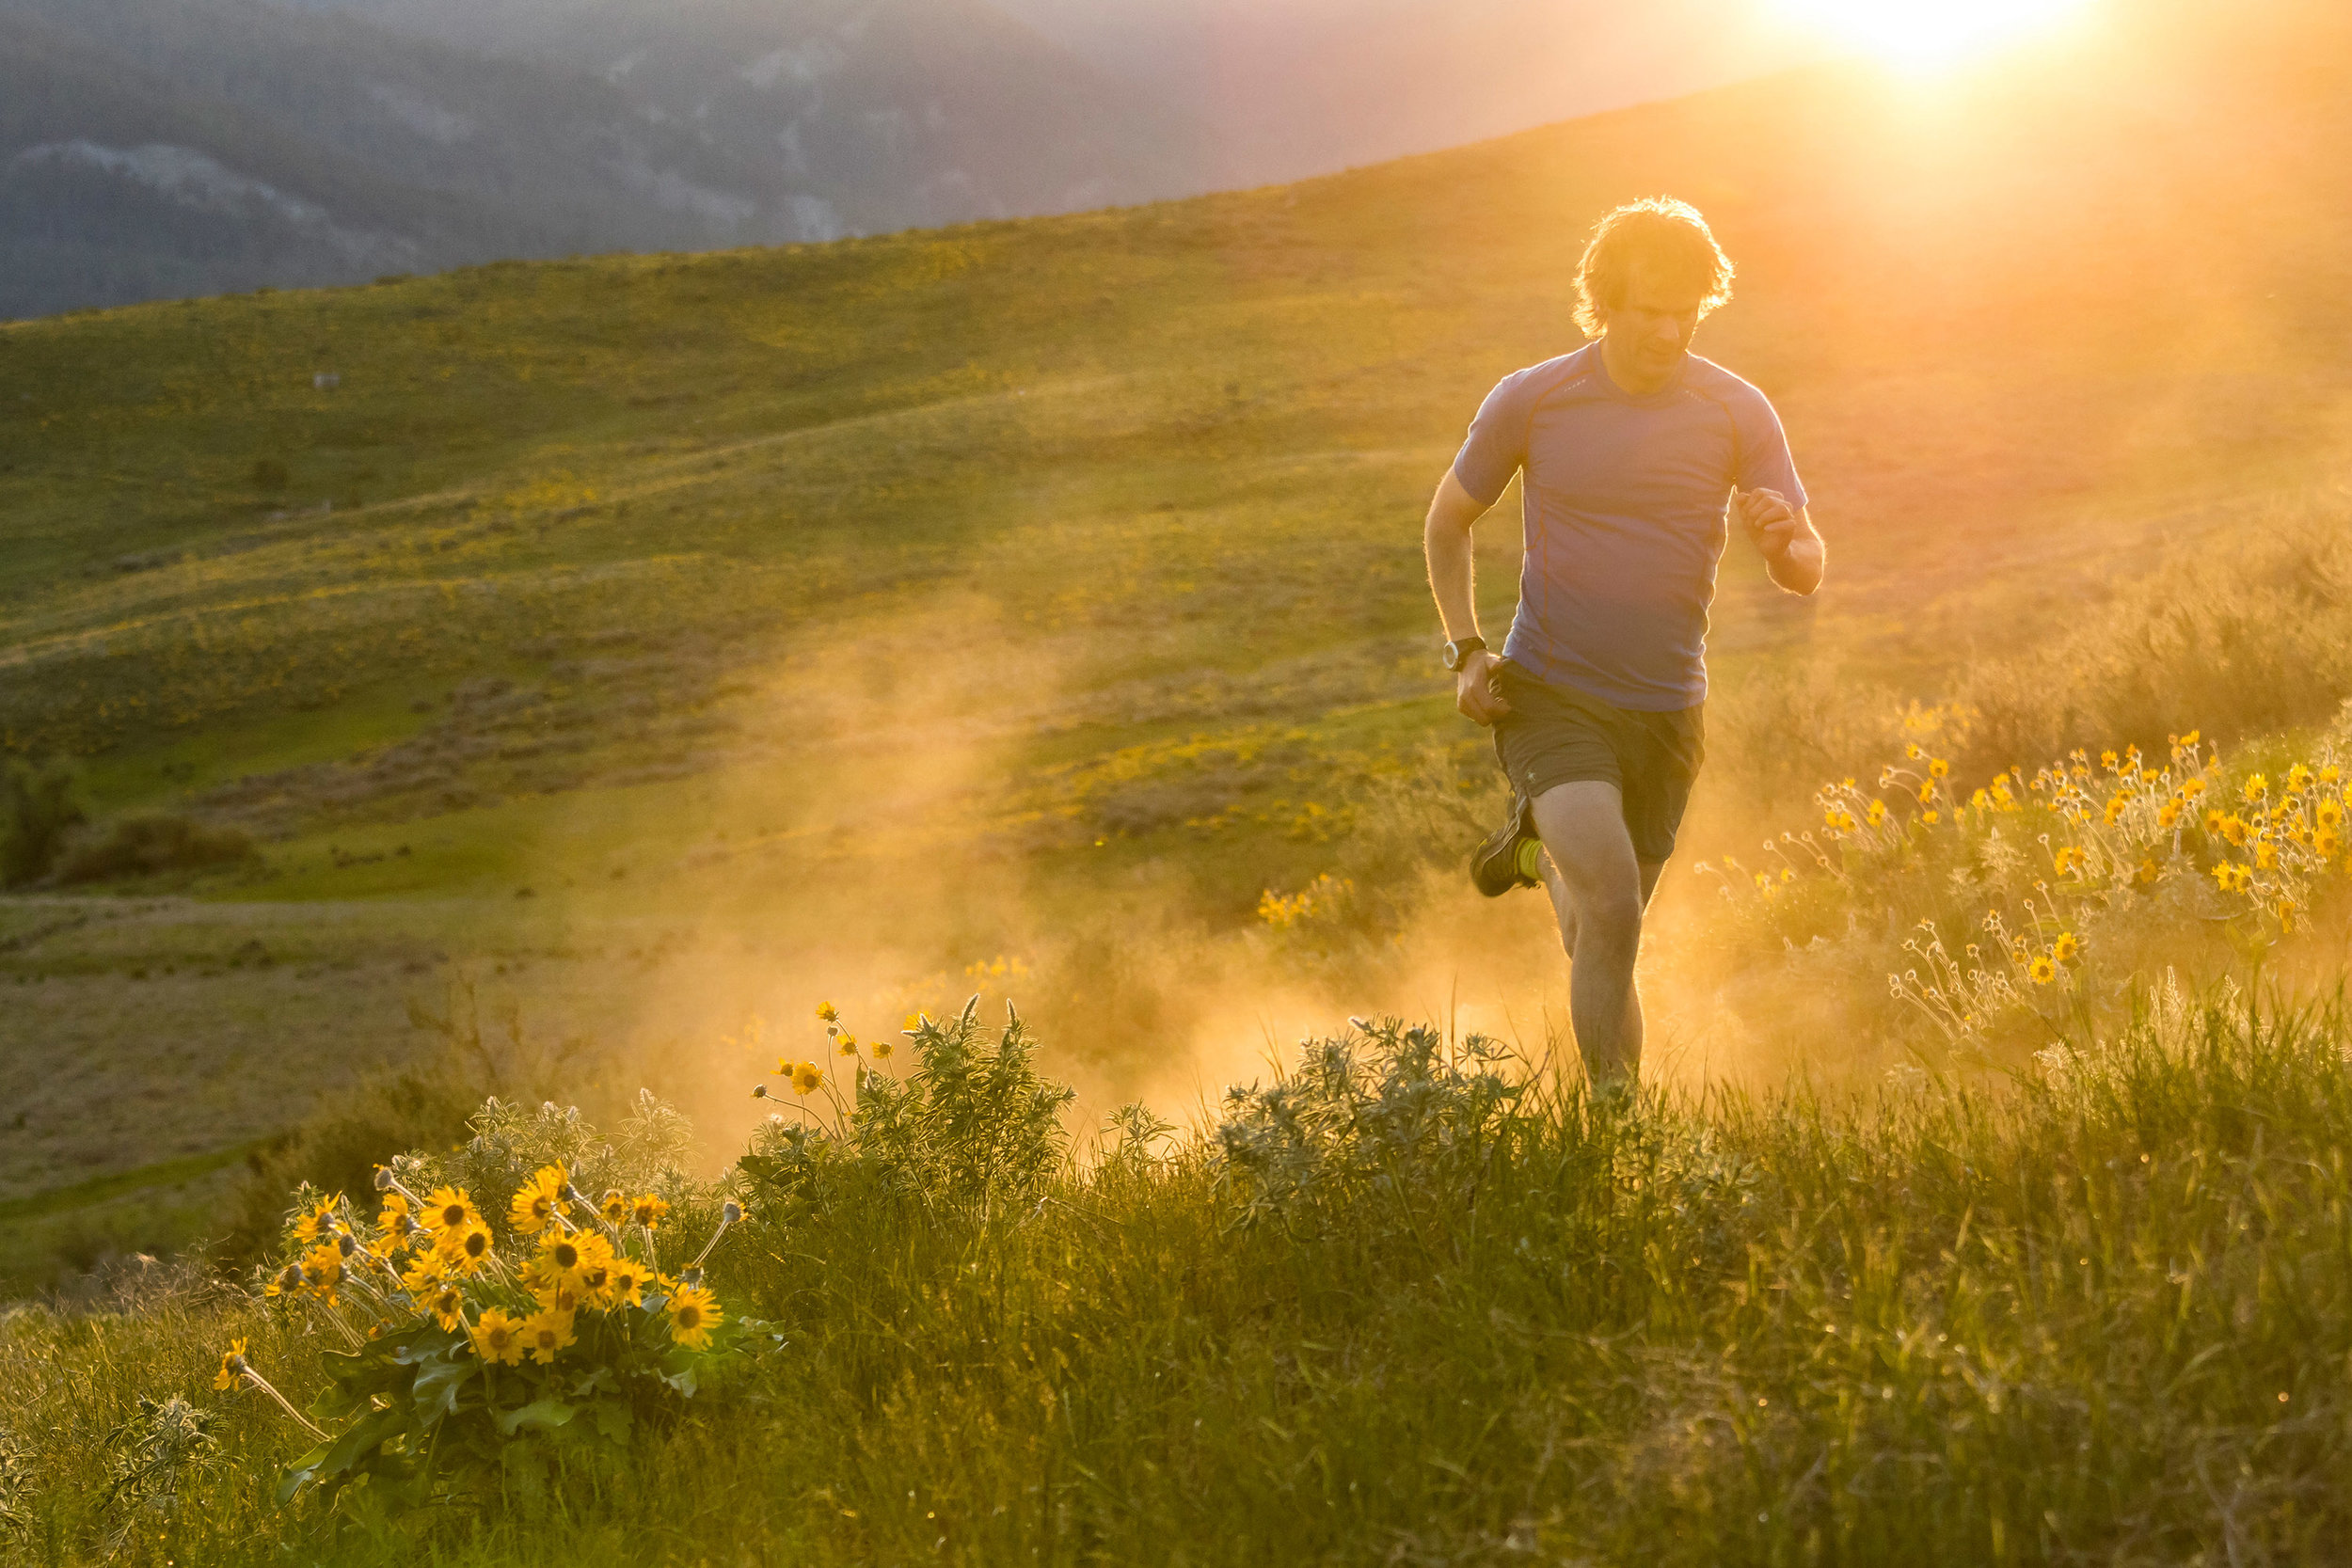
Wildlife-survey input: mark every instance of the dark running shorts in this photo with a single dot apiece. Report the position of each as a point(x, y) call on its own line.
point(1553, 736)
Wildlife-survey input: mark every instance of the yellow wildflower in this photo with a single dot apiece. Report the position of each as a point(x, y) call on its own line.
point(881, 1048)
point(613, 1206)
point(448, 1208)
point(2168, 813)
point(848, 1046)
point(2255, 788)
point(624, 1281)
point(2107, 758)
point(2330, 814)
point(538, 1200)
point(1939, 768)
point(693, 1313)
point(1877, 813)
point(546, 1332)
point(447, 1303)
point(2041, 969)
point(807, 1077)
point(2065, 948)
point(232, 1365)
point(466, 1248)
point(2298, 779)
point(828, 1012)
point(566, 1260)
point(322, 1270)
point(2116, 805)
point(648, 1211)
point(2148, 871)
point(1930, 817)
point(318, 1221)
point(498, 1338)
point(2235, 831)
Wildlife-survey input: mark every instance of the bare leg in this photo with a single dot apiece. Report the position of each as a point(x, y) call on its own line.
point(1599, 890)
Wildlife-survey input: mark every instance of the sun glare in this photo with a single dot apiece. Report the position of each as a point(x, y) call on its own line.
point(1924, 34)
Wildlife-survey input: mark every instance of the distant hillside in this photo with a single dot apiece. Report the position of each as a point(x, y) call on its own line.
point(1154, 466)
point(162, 147)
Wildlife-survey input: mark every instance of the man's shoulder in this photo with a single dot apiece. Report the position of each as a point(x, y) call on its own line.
point(1562, 370)
point(1710, 380)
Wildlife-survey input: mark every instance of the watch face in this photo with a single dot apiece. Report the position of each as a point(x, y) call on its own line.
point(1452, 656)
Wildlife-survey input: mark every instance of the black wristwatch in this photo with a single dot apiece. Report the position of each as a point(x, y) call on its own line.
point(1456, 653)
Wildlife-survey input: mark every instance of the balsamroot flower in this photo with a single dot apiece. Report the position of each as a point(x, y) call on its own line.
point(625, 1282)
point(649, 1210)
point(317, 1221)
point(466, 1248)
point(807, 1078)
point(447, 1305)
point(2042, 970)
point(613, 1206)
point(566, 1260)
point(232, 1365)
point(546, 1333)
point(448, 1210)
point(498, 1338)
point(538, 1201)
point(693, 1313)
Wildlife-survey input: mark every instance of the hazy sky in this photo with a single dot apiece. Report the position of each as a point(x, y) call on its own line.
point(1328, 80)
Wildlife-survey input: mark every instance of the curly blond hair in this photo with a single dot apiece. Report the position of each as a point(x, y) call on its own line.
point(1661, 230)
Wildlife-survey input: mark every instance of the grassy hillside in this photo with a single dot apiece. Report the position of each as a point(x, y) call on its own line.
point(665, 643)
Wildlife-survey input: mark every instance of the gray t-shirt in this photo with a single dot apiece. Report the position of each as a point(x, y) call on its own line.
point(1624, 517)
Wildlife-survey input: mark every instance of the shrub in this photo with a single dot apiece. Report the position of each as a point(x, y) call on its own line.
point(145, 845)
point(971, 1134)
point(1383, 1116)
point(37, 812)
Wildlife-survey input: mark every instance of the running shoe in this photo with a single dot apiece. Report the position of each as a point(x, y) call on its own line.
point(1497, 865)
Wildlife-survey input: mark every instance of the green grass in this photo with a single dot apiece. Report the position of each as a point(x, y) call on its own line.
point(164, 1173)
point(2100, 1314)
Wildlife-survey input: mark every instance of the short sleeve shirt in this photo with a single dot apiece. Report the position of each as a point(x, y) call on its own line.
point(1625, 516)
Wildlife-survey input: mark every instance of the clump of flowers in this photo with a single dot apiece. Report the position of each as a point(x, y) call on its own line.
point(2059, 849)
point(457, 1345)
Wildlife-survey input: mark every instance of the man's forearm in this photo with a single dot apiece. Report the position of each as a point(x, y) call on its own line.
point(1799, 568)
point(1451, 578)
point(1445, 545)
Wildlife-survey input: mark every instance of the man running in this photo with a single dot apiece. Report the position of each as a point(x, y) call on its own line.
point(1636, 453)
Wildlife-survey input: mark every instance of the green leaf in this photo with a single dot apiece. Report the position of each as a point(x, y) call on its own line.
point(302, 1471)
point(538, 1416)
point(437, 1387)
point(613, 1419)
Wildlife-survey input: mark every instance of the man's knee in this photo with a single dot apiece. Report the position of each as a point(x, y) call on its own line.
point(1611, 914)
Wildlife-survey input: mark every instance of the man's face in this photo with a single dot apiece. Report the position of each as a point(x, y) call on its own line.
point(1654, 322)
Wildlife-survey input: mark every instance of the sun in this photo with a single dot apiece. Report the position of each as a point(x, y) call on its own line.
point(1925, 33)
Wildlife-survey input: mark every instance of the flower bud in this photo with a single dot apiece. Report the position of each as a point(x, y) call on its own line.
point(731, 1213)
